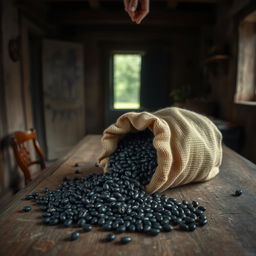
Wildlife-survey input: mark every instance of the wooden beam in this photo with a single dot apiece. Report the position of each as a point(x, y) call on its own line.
point(107, 17)
point(181, 1)
point(94, 4)
point(199, 1)
point(172, 3)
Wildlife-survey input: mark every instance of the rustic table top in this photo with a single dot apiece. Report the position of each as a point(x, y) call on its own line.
point(231, 228)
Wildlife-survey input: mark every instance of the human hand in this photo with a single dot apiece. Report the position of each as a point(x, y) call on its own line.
point(137, 9)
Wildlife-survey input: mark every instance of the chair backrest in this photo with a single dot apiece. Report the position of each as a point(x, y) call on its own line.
point(22, 154)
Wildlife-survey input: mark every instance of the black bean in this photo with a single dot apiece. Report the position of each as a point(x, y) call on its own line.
point(94, 220)
point(63, 218)
point(167, 227)
point(146, 228)
point(184, 227)
point(74, 236)
point(27, 208)
point(185, 202)
point(125, 239)
point(202, 217)
point(189, 220)
point(201, 208)
point(176, 220)
point(43, 207)
point(238, 192)
point(101, 221)
point(192, 227)
point(87, 227)
point(198, 212)
point(29, 197)
point(35, 194)
point(110, 237)
point(106, 186)
point(53, 221)
point(157, 225)
point(202, 222)
point(115, 225)
point(68, 222)
point(131, 228)
point(107, 226)
point(154, 232)
point(121, 229)
point(81, 222)
point(195, 204)
point(46, 214)
point(46, 220)
point(139, 227)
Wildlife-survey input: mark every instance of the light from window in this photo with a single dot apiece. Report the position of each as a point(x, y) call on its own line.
point(126, 81)
point(246, 79)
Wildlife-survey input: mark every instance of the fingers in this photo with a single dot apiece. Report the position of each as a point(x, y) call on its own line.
point(137, 13)
point(127, 9)
point(144, 11)
point(138, 17)
point(131, 14)
point(133, 5)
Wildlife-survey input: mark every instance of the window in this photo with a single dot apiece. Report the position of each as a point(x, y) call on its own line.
point(246, 75)
point(126, 80)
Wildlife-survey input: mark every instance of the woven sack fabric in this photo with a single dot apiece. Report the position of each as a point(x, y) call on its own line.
point(188, 145)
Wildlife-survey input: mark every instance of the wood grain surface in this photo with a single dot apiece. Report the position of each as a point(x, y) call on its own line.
point(231, 229)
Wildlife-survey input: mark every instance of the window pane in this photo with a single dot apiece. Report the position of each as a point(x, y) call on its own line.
point(126, 81)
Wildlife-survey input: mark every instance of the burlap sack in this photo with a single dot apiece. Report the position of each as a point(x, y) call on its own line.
point(188, 145)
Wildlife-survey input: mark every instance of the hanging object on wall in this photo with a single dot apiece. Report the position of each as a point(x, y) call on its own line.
point(14, 48)
point(218, 53)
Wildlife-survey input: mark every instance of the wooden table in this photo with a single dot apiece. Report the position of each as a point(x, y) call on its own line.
point(232, 220)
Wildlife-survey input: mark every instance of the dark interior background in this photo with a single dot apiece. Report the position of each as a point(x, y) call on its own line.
point(176, 35)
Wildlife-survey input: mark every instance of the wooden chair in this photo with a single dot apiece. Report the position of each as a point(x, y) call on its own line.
point(22, 155)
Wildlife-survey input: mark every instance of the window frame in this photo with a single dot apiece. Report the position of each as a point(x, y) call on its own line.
point(139, 52)
point(243, 17)
point(107, 48)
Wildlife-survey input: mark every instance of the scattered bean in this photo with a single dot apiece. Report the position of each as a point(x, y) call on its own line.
point(110, 237)
point(125, 239)
point(238, 192)
point(27, 209)
point(87, 227)
point(74, 236)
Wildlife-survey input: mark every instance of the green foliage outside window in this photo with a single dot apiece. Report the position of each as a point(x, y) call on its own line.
point(127, 69)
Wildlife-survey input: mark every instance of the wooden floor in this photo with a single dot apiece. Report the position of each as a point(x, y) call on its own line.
point(232, 220)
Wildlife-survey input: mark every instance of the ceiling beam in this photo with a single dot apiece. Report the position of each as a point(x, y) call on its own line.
point(180, 1)
point(94, 4)
point(172, 3)
point(199, 1)
point(108, 17)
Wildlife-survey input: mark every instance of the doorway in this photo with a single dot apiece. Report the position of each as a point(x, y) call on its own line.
point(136, 79)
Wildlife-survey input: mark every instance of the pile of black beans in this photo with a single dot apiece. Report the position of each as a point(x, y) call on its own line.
point(135, 157)
point(116, 201)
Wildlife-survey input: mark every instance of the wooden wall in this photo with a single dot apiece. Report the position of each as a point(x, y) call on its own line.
point(224, 81)
point(11, 95)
